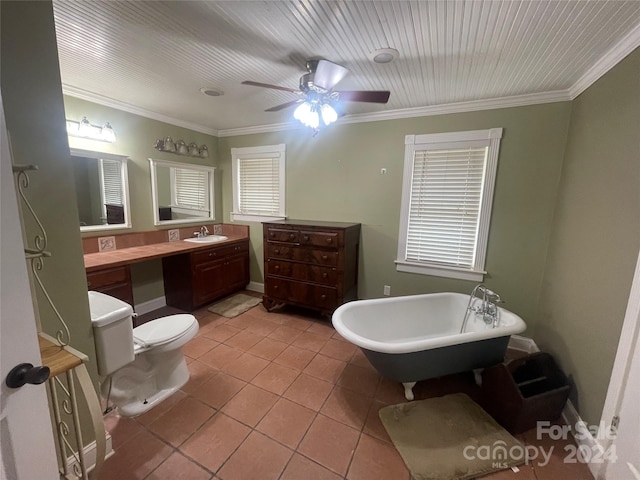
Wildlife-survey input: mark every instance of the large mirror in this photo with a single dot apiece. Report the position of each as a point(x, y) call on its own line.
point(182, 192)
point(102, 190)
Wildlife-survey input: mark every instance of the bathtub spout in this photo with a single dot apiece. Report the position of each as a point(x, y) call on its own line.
point(488, 309)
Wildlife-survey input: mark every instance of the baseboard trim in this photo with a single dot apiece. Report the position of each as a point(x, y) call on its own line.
point(151, 305)
point(90, 455)
point(256, 287)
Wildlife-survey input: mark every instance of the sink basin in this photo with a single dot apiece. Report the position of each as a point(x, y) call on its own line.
point(207, 239)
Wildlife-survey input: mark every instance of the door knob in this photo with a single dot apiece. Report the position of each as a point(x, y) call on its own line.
point(26, 373)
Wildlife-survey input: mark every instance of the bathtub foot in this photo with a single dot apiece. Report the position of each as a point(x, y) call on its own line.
point(477, 374)
point(408, 390)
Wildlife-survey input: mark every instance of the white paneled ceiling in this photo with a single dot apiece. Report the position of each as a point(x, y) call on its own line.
point(153, 57)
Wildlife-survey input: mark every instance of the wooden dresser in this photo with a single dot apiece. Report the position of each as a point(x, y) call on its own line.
point(310, 264)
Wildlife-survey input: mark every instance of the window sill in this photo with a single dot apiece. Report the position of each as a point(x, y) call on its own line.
point(440, 271)
point(242, 217)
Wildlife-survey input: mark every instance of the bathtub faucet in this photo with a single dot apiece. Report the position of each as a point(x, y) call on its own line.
point(488, 309)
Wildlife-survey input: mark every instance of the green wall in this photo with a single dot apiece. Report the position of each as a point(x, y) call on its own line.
point(596, 235)
point(336, 176)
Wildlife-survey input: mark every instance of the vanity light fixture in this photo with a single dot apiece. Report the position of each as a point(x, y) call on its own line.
point(180, 148)
point(85, 129)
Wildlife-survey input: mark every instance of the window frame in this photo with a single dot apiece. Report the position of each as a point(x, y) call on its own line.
point(415, 143)
point(246, 153)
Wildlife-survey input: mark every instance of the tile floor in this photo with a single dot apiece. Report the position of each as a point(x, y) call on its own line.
point(281, 396)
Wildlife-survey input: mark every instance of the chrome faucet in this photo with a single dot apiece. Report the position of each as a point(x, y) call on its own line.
point(204, 231)
point(488, 309)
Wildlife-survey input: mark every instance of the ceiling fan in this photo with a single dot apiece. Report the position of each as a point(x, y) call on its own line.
point(317, 95)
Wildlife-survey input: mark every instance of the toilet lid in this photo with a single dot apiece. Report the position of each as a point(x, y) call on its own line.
point(162, 330)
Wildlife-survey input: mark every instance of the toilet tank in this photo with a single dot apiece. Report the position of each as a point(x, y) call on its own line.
point(112, 332)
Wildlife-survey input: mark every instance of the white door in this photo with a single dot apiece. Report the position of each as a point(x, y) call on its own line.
point(623, 396)
point(27, 448)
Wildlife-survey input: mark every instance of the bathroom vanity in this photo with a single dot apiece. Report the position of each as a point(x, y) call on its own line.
point(310, 264)
point(194, 273)
point(195, 278)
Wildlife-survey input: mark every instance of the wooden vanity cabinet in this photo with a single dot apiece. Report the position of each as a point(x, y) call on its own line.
point(114, 281)
point(194, 279)
point(310, 264)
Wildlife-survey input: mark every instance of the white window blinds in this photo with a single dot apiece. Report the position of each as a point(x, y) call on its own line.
point(259, 186)
point(258, 182)
point(111, 179)
point(446, 191)
point(447, 194)
point(190, 189)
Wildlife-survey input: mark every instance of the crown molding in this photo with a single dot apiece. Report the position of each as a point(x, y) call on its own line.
point(628, 44)
point(127, 107)
point(460, 107)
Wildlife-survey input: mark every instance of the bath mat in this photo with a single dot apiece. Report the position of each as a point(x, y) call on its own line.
point(234, 306)
point(449, 438)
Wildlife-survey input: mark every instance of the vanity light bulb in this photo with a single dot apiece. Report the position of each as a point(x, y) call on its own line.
point(204, 151)
point(84, 127)
point(107, 133)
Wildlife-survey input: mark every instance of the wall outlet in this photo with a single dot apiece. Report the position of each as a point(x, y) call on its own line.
point(387, 290)
point(174, 235)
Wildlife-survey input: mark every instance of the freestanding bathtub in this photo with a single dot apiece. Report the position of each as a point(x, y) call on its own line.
point(418, 337)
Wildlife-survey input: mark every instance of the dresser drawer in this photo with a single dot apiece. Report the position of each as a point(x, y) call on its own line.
point(319, 239)
point(302, 254)
point(107, 277)
point(282, 235)
point(302, 293)
point(300, 271)
point(215, 253)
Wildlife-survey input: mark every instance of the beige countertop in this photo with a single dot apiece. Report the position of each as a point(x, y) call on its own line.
point(141, 253)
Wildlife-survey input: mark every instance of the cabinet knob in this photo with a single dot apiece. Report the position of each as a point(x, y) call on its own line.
point(277, 267)
point(277, 250)
point(272, 234)
point(306, 238)
point(323, 297)
point(324, 257)
point(291, 235)
point(275, 287)
point(329, 240)
point(324, 275)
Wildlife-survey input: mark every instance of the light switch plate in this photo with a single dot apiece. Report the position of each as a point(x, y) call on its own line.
point(174, 235)
point(106, 244)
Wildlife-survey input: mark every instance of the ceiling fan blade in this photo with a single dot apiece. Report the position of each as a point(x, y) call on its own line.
point(266, 85)
point(284, 105)
point(328, 74)
point(371, 96)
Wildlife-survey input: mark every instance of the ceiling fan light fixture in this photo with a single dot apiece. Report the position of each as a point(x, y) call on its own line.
point(384, 55)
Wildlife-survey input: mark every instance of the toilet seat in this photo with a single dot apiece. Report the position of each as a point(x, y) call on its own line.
point(163, 330)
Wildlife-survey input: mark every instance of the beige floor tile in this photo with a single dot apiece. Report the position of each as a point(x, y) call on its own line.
point(347, 407)
point(359, 379)
point(286, 422)
point(245, 367)
point(302, 468)
point(179, 422)
point(338, 350)
point(308, 391)
point(178, 467)
point(243, 340)
point(294, 357)
point(257, 457)
point(275, 378)
point(135, 459)
point(325, 368)
point(219, 390)
point(376, 460)
point(268, 348)
point(250, 405)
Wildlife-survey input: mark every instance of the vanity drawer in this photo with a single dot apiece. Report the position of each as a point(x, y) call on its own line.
point(319, 239)
point(114, 281)
point(216, 253)
point(302, 254)
point(300, 271)
point(108, 276)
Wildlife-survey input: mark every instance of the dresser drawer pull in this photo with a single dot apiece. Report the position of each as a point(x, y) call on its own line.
point(272, 234)
point(292, 235)
point(329, 240)
point(275, 287)
point(323, 297)
point(277, 250)
point(324, 257)
point(212, 254)
point(325, 275)
point(276, 268)
point(306, 238)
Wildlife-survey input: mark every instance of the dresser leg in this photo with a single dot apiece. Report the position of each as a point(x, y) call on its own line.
point(269, 303)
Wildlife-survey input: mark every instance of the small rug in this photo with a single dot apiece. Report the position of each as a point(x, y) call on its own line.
point(449, 438)
point(234, 306)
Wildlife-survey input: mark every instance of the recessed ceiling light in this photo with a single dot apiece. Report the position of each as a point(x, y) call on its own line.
point(212, 92)
point(384, 55)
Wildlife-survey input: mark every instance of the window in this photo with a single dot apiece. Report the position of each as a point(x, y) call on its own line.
point(446, 203)
point(110, 182)
point(189, 189)
point(258, 183)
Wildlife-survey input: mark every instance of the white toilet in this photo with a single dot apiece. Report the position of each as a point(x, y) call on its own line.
point(144, 364)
